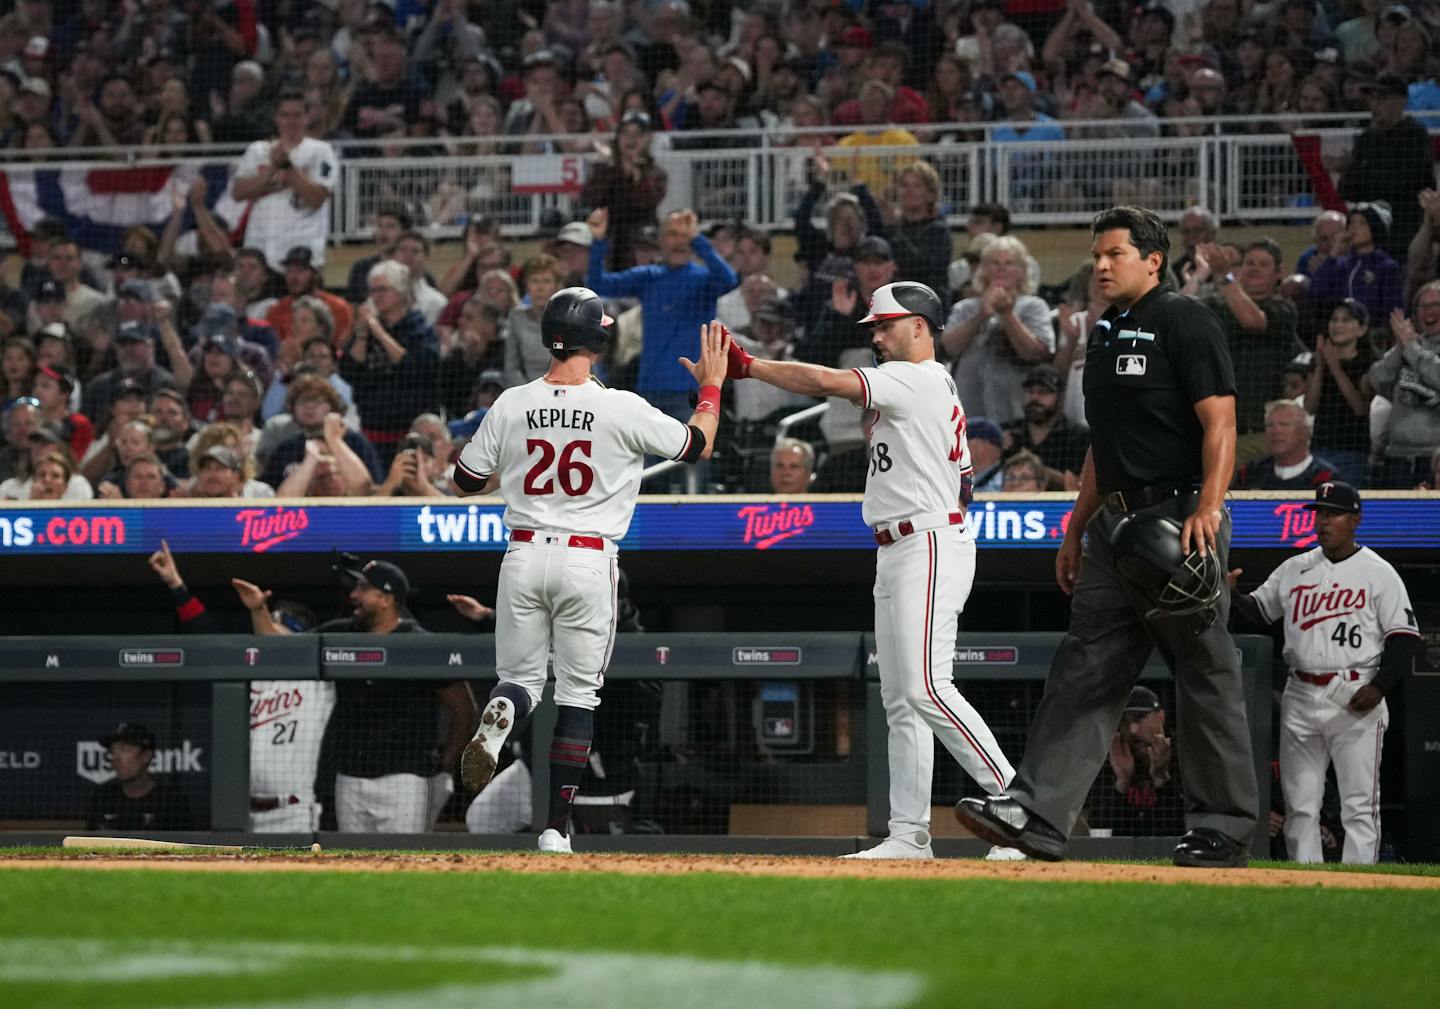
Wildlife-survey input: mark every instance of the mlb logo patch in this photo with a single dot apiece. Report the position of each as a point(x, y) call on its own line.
point(557, 393)
point(1130, 364)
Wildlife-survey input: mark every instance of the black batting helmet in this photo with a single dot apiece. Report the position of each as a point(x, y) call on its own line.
point(1148, 557)
point(574, 319)
point(906, 297)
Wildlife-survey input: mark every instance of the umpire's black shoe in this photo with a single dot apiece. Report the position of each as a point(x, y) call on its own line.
point(1003, 821)
point(1207, 848)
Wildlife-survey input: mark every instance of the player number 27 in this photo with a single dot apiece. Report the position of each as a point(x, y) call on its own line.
point(1346, 634)
point(575, 477)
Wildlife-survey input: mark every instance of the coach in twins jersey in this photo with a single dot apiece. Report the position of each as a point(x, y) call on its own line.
point(1350, 636)
point(916, 492)
point(566, 454)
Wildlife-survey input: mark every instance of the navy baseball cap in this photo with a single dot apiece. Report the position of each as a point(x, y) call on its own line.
point(130, 732)
point(1143, 699)
point(984, 429)
point(1336, 496)
point(873, 247)
point(133, 332)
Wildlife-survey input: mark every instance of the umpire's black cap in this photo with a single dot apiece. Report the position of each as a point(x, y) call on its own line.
point(1336, 496)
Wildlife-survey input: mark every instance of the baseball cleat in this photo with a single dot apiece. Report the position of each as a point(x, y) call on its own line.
point(481, 754)
point(911, 846)
point(1207, 848)
point(999, 853)
point(1002, 821)
point(553, 842)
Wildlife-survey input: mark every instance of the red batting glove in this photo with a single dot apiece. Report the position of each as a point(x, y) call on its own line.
point(739, 361)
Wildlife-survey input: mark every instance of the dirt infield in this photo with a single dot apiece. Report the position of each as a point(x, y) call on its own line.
point(741, 865)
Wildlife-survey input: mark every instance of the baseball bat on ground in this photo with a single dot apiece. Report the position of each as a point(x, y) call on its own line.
point(153, 844)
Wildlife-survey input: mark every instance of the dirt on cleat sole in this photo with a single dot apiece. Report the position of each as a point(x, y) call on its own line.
point(476, 766)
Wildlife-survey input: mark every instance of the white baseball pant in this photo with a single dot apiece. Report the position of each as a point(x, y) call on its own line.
point(503, 806)
point(389, 804)
point(296, 818)
point(921, 584)
point(555, 597)
point(1317, 729)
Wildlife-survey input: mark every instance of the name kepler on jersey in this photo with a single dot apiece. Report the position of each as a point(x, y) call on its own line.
point(569, 420)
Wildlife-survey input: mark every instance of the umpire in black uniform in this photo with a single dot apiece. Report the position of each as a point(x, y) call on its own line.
point(1160, 399)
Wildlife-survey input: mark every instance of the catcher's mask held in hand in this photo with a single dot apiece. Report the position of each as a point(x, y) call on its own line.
point(1176, 584)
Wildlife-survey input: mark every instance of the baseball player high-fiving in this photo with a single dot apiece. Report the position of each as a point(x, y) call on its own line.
point(1350, 635)
point(566, 454)
point(916, 492)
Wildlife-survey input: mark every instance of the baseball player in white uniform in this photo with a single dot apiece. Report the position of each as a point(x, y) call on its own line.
point(1350, 636)
point(566, 454)
point(916, 493)
point(287, 722)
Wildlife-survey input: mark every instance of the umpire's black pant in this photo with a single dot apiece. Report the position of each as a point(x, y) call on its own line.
point(1091, 676)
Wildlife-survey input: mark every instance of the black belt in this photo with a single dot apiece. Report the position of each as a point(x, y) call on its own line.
point(1124, 501)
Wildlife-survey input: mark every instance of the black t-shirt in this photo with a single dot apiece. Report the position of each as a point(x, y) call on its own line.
point(384, 726)
point(162, 808)
point(459, 375)
point(1143, 810)
point(1258, 358)
point(1063, 448)
point(1145, 369)
point(1336, 425)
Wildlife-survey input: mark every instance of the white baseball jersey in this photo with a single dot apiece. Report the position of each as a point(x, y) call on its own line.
point(915, 425)
point(287, 721)
point(278, 221)
point(916, 429)
point(1336, 615)
point(569, 456)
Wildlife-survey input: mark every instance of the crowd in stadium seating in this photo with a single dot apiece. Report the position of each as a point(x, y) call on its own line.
point(211, 361)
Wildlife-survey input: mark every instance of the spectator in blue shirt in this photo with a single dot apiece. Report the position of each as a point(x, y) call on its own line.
point(1017, 96)
point(677, 296)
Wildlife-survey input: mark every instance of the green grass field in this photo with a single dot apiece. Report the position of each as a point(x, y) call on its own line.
point(133, 938)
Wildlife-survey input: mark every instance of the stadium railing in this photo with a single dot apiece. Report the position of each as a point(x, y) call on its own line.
point(1239, 167)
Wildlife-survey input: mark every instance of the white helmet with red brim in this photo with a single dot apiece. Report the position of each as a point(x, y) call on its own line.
point(903, 298)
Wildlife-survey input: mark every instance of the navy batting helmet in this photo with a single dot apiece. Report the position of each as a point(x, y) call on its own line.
point(906, 297)
point(1149, 559)
point(574, 319)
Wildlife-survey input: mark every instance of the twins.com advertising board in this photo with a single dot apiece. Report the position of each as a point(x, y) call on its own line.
point(723, 524)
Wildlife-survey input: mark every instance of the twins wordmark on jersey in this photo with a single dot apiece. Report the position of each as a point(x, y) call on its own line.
point(287, 722)
point(1336, 614)
point(569, 457)
point(918, 450)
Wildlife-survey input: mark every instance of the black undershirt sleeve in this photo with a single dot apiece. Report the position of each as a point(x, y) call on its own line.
point(1396, 661)
point(697, 445)
point(1245, 613)
point(469, 483)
